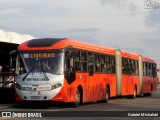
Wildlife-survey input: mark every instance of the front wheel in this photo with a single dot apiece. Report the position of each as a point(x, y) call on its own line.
point(78, 99)
point(106, 99)
point(134, 93)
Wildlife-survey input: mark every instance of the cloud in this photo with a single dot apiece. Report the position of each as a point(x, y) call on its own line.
point(153, 18)
point(152, 42)
point(13, 37)
point(133, 8)
point(116, 3)
point(36, 9)
point(124, 24)
point(82, 34)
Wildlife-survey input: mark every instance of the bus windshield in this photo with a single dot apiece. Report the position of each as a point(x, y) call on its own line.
point(41, 62)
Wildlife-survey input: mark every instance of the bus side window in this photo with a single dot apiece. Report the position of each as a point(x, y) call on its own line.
point(124, 65)
point(128, 66)
point(107, 61)
point(154, 70)
point(132, 67)
point(97, 63)
point(90, 64)
point(84, 61)
point(113, 69)
point(103, 65)
point(144, 69)
point(136, 67)
point(77, 62)
point(147, 70)
point(69, 62)
point(150, 69)
point(77, 66)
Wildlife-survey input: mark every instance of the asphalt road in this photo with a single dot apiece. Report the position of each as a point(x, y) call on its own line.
point(116, 108)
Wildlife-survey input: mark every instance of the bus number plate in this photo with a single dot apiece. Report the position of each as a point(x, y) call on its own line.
point(35, 93)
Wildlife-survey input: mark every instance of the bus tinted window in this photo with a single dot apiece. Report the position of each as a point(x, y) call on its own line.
point(129, 66)
point(103, 64)
point(110, 64)
point(97, 63)
point(90, 63)
point(84, 61)
point(149, 69)
point(77, 63)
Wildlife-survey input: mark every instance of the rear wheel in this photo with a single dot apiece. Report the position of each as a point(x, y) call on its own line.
point(78, 99)
point(150, 93)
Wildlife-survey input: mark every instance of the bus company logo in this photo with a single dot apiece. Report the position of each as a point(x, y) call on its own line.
point(6, 114)
point(37, 79)
point(152, 4)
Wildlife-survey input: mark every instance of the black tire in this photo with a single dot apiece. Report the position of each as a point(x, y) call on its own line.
point(78, 99)
point(150, 93)
point(134, 93)
point(106, 99)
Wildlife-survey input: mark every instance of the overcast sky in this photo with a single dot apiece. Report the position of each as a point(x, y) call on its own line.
point(131, 25)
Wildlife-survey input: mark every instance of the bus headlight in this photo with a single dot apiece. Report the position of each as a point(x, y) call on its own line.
point(57, 85)
point(18, 86)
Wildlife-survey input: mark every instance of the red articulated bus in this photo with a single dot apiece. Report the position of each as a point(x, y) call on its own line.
point(65, 70)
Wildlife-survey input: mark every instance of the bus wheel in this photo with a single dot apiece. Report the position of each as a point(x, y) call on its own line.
point(78, 99)
point(106, 96)
point(134, 93)
point(150, 93)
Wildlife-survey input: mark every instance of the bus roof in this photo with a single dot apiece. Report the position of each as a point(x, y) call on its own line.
point(129, 55)
point(60, 43)
point(146, 59)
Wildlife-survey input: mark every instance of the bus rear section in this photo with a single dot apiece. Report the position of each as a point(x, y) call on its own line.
point(149, 78)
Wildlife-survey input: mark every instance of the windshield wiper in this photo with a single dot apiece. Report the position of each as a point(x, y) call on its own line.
point(27, 74)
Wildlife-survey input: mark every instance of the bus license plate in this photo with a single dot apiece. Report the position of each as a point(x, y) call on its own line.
point(35, 93)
